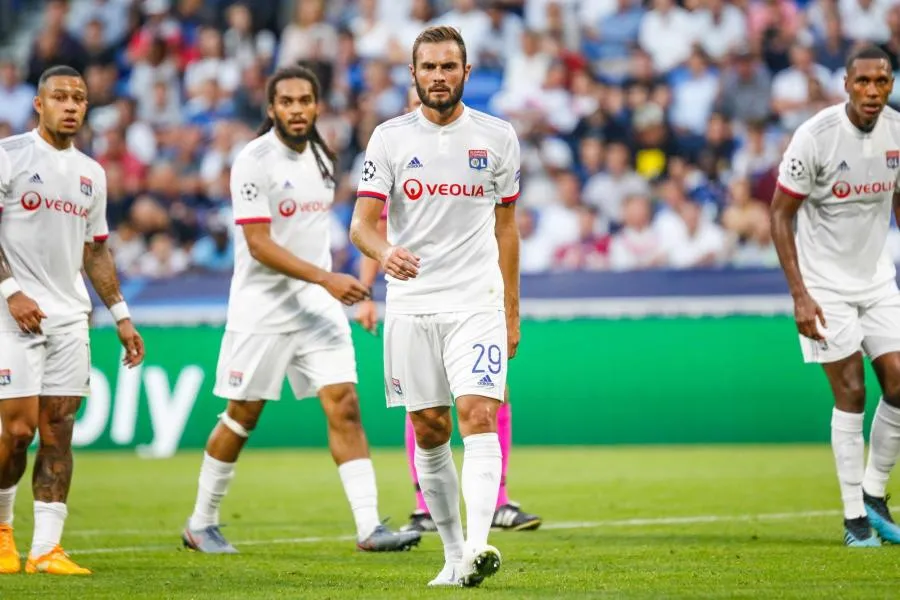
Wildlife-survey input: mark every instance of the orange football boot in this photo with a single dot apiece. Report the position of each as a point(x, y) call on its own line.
point(9, 558)
point(55, 562)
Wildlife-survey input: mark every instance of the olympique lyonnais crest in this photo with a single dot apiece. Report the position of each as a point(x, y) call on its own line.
point(5, 377)
point(892, 157)
point(87, 186)
point(235, 378)
point(478, 159)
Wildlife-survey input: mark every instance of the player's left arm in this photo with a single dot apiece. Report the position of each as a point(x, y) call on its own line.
point(507, 232)
point(100, 268)
point(366, 312)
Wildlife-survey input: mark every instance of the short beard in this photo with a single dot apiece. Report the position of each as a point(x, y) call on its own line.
point(293, 139)
point(450, 102)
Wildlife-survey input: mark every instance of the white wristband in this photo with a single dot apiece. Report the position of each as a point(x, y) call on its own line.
point(119, 311)
point(8, 287)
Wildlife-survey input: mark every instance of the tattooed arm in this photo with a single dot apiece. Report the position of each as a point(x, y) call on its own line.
point(101, 270)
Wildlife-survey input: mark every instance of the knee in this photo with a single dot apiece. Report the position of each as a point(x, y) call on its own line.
point(245, 414)
point(20, 432)
point(344, 408)
point(852, 395)
point(477, 416)
point(432, 430)
point(891, 393)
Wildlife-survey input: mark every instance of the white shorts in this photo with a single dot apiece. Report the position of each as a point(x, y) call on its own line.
point(45, 365)
point(429, 360)
point(252, 366)
point(871, 325)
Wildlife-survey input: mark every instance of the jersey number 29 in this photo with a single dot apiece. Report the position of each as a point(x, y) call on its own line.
point(493, 358)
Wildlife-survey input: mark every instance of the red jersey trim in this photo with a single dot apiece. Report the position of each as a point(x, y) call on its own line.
point(101, 238)
point(376, 195)
point(790, 192)
point(509, 199)
point(252, 220)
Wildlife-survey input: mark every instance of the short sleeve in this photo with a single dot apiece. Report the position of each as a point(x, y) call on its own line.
point(97, 227)
point(797, 172)
point(249, 199)
point(506, 179)
point(5, 176)
point(377, 177)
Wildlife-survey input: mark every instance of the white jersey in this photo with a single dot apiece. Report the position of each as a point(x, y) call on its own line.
point(442, 184)
point(270, 183)
point(53, 202)
point(848, 178)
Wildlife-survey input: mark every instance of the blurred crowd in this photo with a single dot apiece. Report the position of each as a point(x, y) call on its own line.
point(651, 132)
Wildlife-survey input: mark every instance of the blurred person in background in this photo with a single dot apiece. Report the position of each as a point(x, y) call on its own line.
point(112, 16)
point(215, 251)
point(243, 43)
point(15, 97)
point(745, 88)
point(637, 245)
point(164, 259)
point(608, 189)
point(667, 34)
point(590, 251)
point(54, 45)
point(309, 36)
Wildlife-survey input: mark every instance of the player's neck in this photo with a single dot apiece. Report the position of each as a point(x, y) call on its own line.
point(857, 122)
point(58, 141)
point(298, 147)
point(444, 117)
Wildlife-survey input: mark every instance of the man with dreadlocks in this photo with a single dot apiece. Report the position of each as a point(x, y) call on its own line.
point(285, 316)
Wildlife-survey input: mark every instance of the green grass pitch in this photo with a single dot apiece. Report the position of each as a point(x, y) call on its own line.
point(620, 522)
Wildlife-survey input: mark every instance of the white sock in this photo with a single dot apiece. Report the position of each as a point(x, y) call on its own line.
point(7, 501)
point(440, 488)
point(849, 457)
point(212, 486)
point(49, 518)
point(884, 447)
point(358, 477)
point(480, 485)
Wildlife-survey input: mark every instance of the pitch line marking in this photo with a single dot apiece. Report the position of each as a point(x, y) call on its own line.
point(637, 522)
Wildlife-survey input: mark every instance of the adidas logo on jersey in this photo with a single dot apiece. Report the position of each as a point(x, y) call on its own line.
point(415, 163)
point(288, 185)
point(843, 166)
point(486, 381)
point(35, 179)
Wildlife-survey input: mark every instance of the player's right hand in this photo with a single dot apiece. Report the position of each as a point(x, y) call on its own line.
point(346, 288)
point(26, 312)
point(400, 263)
point(367, 316)
point(806, 312)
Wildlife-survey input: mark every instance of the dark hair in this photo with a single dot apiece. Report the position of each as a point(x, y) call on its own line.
point(58, 71)
point(437, 34)
point(867, 53)
point(315, 138)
